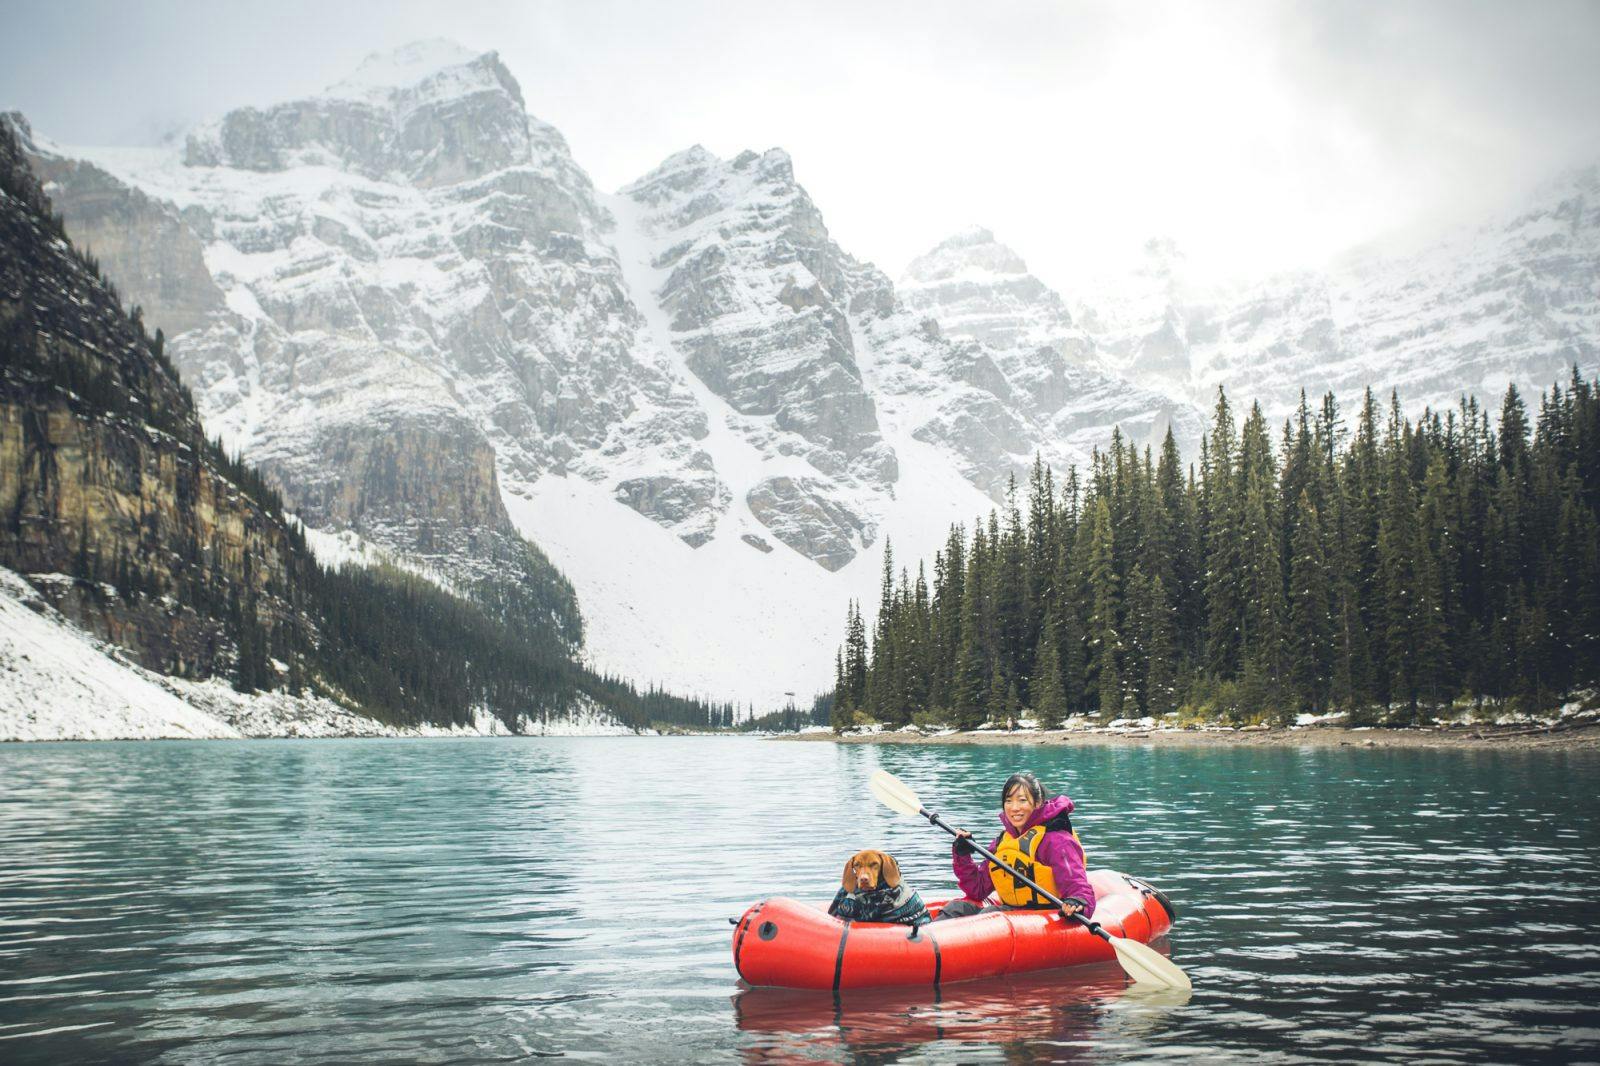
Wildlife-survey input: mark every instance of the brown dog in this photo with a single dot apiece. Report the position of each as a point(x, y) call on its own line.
point(869, 870)
point(870, 890)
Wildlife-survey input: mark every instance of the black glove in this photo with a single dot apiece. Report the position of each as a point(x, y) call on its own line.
point(963, 847)
point(1080, 904)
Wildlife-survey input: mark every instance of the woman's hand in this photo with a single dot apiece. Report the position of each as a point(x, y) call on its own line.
point(1071, 906)
point(963, 844)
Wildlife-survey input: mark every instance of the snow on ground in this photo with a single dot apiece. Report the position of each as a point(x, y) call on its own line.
point(59, 683)
point(726, 621)
point(56, 683)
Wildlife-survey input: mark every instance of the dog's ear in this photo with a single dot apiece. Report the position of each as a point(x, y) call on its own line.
point(848, 880)
point(891, 870)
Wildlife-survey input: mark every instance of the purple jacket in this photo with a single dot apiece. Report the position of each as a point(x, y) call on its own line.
point(1058, 848)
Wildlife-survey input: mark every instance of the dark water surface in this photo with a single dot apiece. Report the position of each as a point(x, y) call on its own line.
point(500, 900)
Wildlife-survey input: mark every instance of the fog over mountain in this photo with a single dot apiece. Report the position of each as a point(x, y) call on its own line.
point(1259, 137)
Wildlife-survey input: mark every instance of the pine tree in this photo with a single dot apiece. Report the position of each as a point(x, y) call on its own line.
point(947, 610)
point(1161, 683)
point(1012, 709)
point(1579, 546)
point(839, 714)
point(1104, 630)
point(879, 699)
point(1010, 625)
point(1262, 636)
point(1311, 621)
point(1396, 569)
point(1049, 695)
point(1136, 643)
point(1436, 605)
point(1042, 533)
point(855, 663)
point(1072, 595)
point(971, 688)
point(1533, 656)
point(996, 704)
point(1222, 505)
point(1429, 666)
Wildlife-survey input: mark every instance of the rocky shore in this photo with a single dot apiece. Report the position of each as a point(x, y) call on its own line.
point(1574, 729)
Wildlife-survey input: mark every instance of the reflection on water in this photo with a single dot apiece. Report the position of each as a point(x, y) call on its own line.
point(1072, 1015)
point(490, 900)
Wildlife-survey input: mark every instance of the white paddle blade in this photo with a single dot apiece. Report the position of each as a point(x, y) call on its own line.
point(894, 794)
point(1147, 966)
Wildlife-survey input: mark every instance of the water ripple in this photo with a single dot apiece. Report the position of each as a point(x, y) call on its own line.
point(495, 900)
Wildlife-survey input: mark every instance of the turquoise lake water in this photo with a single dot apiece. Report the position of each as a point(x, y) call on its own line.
point(506, 900)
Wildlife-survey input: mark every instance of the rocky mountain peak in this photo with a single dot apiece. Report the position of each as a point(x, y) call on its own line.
point(696, 167)
point(970, 253)
point(1566, 207)
point(429, 114)
point(979, 289)
point(757, 300)
point(436, 65)
point(679, 170)
point(17, 122)
point(970, 236)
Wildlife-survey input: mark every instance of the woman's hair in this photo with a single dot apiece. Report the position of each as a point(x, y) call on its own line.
point(1026, 779)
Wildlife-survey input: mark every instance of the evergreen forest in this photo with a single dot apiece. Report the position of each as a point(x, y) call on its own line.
point(1388, 570)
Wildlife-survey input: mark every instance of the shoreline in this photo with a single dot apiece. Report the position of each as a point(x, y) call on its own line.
point(1583, 736)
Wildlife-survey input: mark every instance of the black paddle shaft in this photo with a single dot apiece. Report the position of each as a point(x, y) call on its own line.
point(1093, 927)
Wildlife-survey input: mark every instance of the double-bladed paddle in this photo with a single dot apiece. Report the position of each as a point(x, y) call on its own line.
point(1142, 963)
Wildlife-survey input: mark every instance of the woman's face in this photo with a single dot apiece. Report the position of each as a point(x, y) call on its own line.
point(1019, 806)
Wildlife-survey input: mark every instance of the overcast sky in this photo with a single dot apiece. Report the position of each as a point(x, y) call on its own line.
point(1257, 135)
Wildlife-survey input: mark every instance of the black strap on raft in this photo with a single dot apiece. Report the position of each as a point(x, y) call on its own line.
point(738, 945)
point(838, 964)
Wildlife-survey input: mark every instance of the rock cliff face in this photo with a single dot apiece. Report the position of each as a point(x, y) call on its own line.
point(107, 474)
point(980, 290)
point(745, 286)
point(1142, 325)
point(759, 301)
point(151, 246)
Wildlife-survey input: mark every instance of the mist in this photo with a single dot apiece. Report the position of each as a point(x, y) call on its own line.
point(1259, 137)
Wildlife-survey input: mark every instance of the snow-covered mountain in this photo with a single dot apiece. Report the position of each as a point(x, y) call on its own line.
point(981, 290)
point(1515, 299)
point(406, 300)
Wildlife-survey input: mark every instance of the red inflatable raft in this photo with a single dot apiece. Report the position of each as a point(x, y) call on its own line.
point(785, 943)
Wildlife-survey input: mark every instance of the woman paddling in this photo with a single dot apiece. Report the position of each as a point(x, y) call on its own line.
point(1038, 841)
